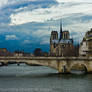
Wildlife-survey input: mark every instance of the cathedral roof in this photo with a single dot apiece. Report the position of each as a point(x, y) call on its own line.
point(55, 41)
point(66, 41)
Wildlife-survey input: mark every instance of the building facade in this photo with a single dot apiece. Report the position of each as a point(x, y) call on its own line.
point(63, 45)
point(86, 45)
point(5, 52)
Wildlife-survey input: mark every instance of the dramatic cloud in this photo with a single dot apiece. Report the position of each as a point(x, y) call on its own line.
point(53, 13)
point(28, 23)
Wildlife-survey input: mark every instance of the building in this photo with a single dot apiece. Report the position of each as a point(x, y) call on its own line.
point(5, 52)
point(86, 45)
point(63, 45)
point(39, 52)
point(18, 53)
point(22, 54)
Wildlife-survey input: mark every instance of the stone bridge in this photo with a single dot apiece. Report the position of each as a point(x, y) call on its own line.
point(62, 64)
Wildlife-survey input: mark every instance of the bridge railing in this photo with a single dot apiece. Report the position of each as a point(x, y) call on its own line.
point(45, 58)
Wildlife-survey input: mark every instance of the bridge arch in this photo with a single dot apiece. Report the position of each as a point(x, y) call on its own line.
point(79, 66)
point(47, 63)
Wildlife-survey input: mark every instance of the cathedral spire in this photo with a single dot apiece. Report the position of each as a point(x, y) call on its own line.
point(61, 29)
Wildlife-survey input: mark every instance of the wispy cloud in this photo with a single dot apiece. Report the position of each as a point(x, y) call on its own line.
point(60, 1)
point(26, 42)
point(41, 33)
point(11, 37)
point(45, 41)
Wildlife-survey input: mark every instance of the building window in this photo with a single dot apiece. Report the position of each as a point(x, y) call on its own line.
point(54, 45)
point(63, 46)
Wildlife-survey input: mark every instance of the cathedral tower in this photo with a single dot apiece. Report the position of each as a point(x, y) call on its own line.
point(61, 30)
point(53, 42)
point(54, 35)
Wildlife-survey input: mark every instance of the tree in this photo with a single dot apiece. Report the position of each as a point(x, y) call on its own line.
point(38, 52)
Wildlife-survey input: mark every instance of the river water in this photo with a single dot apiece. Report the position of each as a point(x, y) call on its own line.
point(26, 78)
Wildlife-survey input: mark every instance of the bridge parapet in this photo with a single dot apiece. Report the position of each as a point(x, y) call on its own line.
point(45, 58)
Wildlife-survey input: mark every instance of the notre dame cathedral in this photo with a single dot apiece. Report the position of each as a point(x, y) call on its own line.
point(63, 45)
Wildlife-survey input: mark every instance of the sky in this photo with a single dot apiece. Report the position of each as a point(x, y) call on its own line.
point(27, 24)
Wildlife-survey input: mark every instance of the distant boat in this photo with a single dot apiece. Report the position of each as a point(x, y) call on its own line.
point(78, 72)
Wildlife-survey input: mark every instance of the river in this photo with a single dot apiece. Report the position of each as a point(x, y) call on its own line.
point(26, 78)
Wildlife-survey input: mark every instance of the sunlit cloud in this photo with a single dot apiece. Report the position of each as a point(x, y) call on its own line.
point(53, 13)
